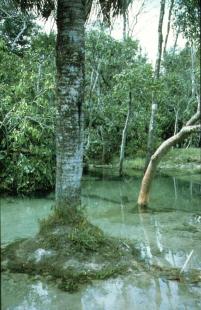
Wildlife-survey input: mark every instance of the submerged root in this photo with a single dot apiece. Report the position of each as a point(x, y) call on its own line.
point(70, 250)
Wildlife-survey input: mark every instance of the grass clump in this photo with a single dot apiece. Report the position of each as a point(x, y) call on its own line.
point(175, 158)
point(71, 227)
point(183, 156)
point(70, 250)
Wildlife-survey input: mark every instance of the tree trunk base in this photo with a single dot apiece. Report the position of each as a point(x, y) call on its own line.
point(69, 251)
point(73, 253)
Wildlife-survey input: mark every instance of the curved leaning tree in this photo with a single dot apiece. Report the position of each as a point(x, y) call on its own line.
point(187, 17)
point(190, 127)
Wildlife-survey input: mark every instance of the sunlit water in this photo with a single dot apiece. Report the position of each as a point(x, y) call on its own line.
point(166, 236)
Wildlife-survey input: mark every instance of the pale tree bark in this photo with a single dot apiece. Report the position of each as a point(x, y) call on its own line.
point(168, 26)
point(125, 23)
point(175, 189)
point(18, 36)
point(124, 135)
point(70, 93)
point(154, 106)
point(189, 128)
point(176, 120)
point(195, 92)
point(176, 111)
point(160, 40)
point(103, 145)
point(176, 39)
point(193, 86)
point(93, 82)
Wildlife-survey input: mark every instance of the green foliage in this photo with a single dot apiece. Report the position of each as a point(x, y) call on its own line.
point(27, 157)
point(183, 156)
point(177, 102)
point(114, 69)
point(187, 17)
point(16, 28)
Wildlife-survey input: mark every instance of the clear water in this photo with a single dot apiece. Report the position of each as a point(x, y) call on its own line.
point(166, 235)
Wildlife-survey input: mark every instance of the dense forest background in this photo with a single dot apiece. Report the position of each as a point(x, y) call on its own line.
point(118, 76)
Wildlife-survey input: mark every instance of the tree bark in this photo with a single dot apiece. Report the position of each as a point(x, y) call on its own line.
point(193, 85)
point(168, 26)
point(195, 93)
point(176, 120)
point(154, 106)
point(143, 198)
point(176, 39)
point(160, 40)
point(124, 25)
point(18, 36)
point(70, 94)
point(124, 134)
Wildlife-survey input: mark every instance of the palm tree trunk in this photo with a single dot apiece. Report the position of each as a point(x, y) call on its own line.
point(70, 94)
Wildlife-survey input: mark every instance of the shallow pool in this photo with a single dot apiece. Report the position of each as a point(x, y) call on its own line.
point(167, 235)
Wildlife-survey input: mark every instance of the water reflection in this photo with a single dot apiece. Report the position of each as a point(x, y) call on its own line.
point(165, 235)
point(20, 216)
point(166, 228)
point(139, 291)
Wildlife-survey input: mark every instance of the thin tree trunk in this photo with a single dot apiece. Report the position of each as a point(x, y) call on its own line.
point(124, 134)
point(124, 25)
point(103, 146)
point(176, 39)
point(70, 93)
point(168, 26)
point(92, 87)
point(189, 128)
point(176, 121)
point(38, 78)
point(160, 40)
point(154, 106)
point(18, 36)
point(151, 133)
point(195, 92)
point(175, 189)
point(39, 75)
